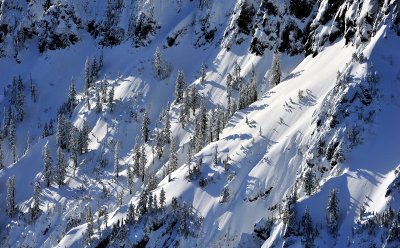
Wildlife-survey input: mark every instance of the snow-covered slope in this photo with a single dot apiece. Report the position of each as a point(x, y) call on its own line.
point(333, 116)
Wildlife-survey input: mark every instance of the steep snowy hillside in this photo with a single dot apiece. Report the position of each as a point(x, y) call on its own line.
point(169, 123)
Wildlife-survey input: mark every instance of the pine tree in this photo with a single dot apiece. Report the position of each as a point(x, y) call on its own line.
point(167, 130)
point(194, 97)
point(142, 204)
point(10, 199)
point(36, 201)
point(61, 167)
point(180, 87)
point(71, 103)
point(62, 132)
point(215, 158)
point(237, 78)
point(289, 215)
point(162, 198)
point(98, 106)
point(137, 155)
point(309, 182)
point(332, 212)
point(90, 225)
point(130, 178)
point(173, 158)
point(203, 73)
point(111, 98)
point(94, 71)
point(145, 127)
point(101, 60)
point(84, 137)
point(12, 139)
point(308, 229)
point(88, 79)
point(47, 167)
point(157, 63)
point(143, 162)
point(130, 218)
point(116, 160)
point(159, 144)
point(275, 73)
point(19, 105)
point(33, 89)
point(74, 147)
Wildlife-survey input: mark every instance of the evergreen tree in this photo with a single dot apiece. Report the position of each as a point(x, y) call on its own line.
point(36, 201)
point(157, 63)
point(61, 167)
point(130, 178)
point(137, 155)
point(203, 73)
point(180, 87)
point(116, 160)
point(167, 130)
point(145, 127)
point(275, 73)
point(308, 229)
point(47, 167)
point(10, 199)
point(101, 60)
point(95, 71)
point(71, 103)
point(237, 78)
point(84, 137)
point(62, 132)
point(143, 162)
point(111, 99)
point(87, 79)
point(74, 147)
point(289, 215)
point(19, 105)
point(309, 182)
point(142, 204)
point(332, 212)
point(173, 158)
point(98, 106)
point(90, 225)
point(159, 144)
point(162, 198)
point(130, 218)
point(194, 97)
point(33, 89)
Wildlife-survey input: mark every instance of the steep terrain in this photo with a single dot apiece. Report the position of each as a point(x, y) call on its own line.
point(240, 162)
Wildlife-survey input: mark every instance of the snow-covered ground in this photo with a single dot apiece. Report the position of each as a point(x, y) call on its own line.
point(328, 98)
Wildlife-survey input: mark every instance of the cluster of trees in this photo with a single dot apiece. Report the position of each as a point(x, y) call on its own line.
point(179, 220)
point(161, 67)
point(306, 228)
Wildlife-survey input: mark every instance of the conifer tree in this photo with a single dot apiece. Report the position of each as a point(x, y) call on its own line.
point(275, 70)
point(130, 178)
point(145, 127)
point(71, 103)
point(332, 212)
point(98, 106)
point(116, 160)
point(142, 204)
point(111, 98)
point(36, 201)
point(162, 198)
point(10, 199)
point(143, 162)
point(61, 167)
point(157, 63)
point(90, 225)
point(159, 144)
point(47, 167)
point(180, 87)
point(2, 165)
point(131, 214)
point(173, 158)
point(203, 73)
point(308, 229)
point(137, 155)
point(309, 182)
point(87, 79)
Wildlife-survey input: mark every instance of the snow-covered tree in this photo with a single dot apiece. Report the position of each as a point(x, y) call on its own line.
point(87, 80)
point(274, 73)
point(61, 166)
point(142, 204)
point(35, 210)
point(90, 224)
point(47, 167)
point(62, 132)
point(98, 106)
point(309, 182)
point(10, 199)
point(116, 160)
point(173, 158)
point(2, 165)
point(289, 215)
point(203, 73)
point(157, 62)
point(130, 218)
point(131, 175)
point(84, 137)
point(332, 212)
point(162, 198)
point(143, 161)
point(111, 98)
point(145, 127)
point(180, 87)
point(307, 230)
point(136, 157)
point(71, 103)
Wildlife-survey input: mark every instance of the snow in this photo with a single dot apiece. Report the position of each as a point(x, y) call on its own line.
point(272, 161)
